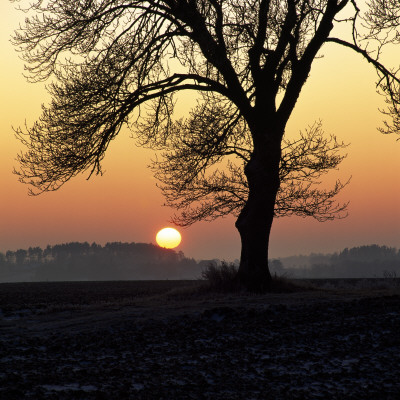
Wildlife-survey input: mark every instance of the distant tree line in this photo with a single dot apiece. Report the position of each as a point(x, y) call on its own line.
point(84, 261)
point(141, 261)
point(371, 261)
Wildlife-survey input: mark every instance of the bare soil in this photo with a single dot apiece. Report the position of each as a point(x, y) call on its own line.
point(174, 340)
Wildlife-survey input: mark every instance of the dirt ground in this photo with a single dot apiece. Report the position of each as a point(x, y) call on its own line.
point(171, 340)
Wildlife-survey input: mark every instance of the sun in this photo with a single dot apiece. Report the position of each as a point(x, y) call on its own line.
point(168, 238)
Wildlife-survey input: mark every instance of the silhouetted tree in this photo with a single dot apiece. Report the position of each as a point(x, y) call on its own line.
point(20, 256)
point(370, 253)
point(35, 254)
point(10, 257)
point(199, 195)
point(108, 58)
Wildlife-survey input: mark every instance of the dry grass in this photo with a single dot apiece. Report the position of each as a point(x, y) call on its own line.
point(223, 278)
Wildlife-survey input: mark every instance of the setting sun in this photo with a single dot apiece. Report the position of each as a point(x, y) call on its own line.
point(168, 238)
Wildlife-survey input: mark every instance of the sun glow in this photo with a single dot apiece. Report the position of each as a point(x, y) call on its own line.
point(168, 238)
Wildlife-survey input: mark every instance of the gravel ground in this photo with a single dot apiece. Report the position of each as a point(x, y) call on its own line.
point(177, 345)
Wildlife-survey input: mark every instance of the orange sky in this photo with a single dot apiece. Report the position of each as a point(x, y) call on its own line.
point(125, 205)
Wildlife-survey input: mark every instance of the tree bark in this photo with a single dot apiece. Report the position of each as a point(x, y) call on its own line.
point(255, 220)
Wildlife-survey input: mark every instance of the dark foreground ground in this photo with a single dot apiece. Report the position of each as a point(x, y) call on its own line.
point(162, 340)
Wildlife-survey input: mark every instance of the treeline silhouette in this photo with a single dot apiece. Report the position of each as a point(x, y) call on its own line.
point(142, 261)
point(83, 261)
point(370, 261)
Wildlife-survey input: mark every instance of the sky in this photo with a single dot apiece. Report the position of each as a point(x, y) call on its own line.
point(125, 205)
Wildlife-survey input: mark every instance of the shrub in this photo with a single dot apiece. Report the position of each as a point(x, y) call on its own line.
point(221, 277)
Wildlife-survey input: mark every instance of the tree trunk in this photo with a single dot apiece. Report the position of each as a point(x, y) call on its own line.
point(255, 220)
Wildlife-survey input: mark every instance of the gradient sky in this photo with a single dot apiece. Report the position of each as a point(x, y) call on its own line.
point(125, 205)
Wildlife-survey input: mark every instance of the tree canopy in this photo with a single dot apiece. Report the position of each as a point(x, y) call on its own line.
point(116, 62)
point(189, 187)
point(110, 57)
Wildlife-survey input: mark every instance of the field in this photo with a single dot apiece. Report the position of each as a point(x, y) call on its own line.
point(174, 340)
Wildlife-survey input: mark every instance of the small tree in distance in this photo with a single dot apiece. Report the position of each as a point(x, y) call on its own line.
point(109, 58)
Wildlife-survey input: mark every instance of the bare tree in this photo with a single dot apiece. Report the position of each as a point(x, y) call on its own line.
point(196, 181)
point(109, 58)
